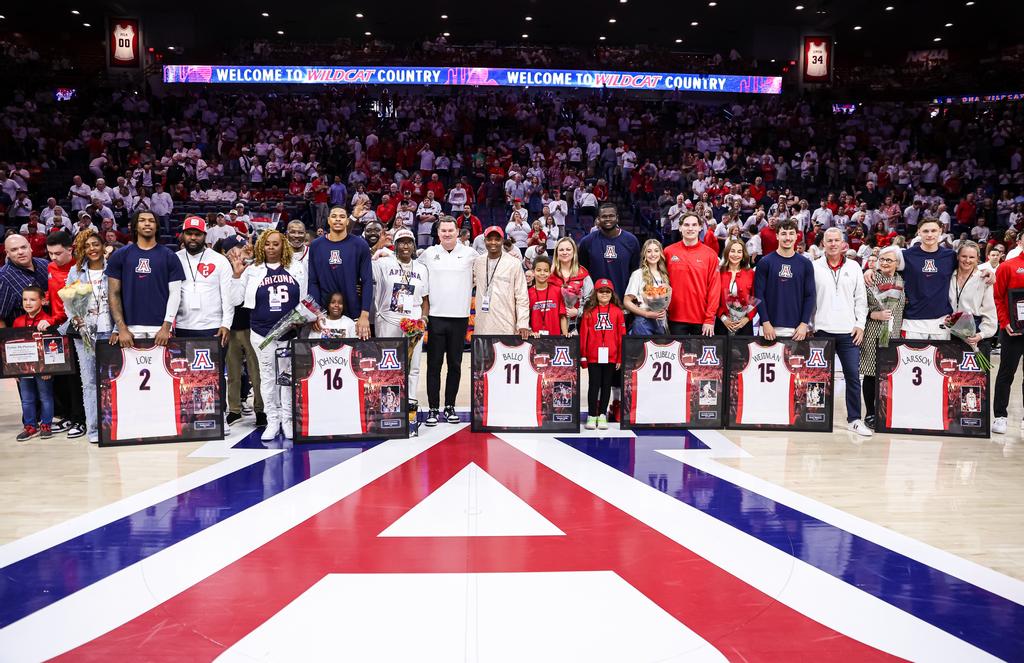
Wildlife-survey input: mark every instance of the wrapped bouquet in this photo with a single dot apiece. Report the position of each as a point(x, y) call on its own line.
point(76, 296)
point(888, 295)
point(305, 312)
point(571, 297)
point(737, 307)
point(962, 325)
point(413, 330)
point(657, 298)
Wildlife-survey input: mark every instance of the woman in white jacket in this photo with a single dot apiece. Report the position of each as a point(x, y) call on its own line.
point(969, 292)
point(271, 287)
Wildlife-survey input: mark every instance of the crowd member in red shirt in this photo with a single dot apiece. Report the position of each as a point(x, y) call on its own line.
point(58, 246)
point(693, 275)
point(467, 220)
point(757, 189)
point(769, 241)
point(1009, 277)
point(737, 284)
point(547, 310)
point(966, 210)
point(33, 232)
point(601, 330)
point(437, 187)
point(883, 238)
point(709, 236)
point(415, 187)
point(36, 390)
point(387, 209)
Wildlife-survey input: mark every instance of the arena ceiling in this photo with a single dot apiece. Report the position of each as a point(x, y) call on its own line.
point(757, 29)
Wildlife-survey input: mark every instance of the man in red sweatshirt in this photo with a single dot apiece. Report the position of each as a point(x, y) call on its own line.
point(693, 275)
point(1009, 309)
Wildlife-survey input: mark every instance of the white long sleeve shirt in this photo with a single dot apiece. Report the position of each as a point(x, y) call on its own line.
point(206, 292)
point(842, 301)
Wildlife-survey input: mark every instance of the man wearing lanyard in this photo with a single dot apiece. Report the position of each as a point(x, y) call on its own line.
point(840, 314)
point(205, 309)
point(502, 301)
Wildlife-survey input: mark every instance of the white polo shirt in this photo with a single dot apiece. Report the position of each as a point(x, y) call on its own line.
point(451, 279)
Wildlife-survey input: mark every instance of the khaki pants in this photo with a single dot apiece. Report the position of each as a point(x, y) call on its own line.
point(239, 347)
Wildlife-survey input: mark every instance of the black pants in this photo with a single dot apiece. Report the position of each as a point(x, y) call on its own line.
point(868, 388)
point(1010, 353)
point(67, 398)
point(599, 391)
point(684, 328)
point(445, 338)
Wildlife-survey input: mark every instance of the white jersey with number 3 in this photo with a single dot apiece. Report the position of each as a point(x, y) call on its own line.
point(917, 390)
point(512, 389)
point(332, 395)
point(145, 398)
point(661, 392)
point(124, 35)
point(817, 59)
point(765, 387)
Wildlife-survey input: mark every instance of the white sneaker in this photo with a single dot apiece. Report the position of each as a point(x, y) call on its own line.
point(860, 428)
point(286, 428)
point(270, 432)
point(227, 426)
point(999, 425)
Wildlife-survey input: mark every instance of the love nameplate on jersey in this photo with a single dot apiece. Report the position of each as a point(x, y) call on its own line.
point(530, 385)
point(150, 393)
point(931, 388)
point(673, 381)
point(780, 385)
point(349, 389)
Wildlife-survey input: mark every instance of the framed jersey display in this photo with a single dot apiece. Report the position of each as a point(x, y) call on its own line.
point(348, 389)
point(151, 393)
point(25, 351)
point(530, 385)
point(124, 43)
point(673, 381)
point(780, 385)
point(931, 388)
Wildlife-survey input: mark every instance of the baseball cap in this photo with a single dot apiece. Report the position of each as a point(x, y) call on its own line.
point(604, 283)
point(82, 214)
point(404, 233)
point(519, 200)
point(494, 229)
point(232, 211)
point(194, 223)
point(229, 243)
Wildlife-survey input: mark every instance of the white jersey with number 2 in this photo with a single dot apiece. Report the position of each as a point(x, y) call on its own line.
point(145, 398)
point(660, 386)
point(512, 389)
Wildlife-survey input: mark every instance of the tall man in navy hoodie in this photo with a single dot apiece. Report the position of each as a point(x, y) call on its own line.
point(340, 262)
point(784, 282)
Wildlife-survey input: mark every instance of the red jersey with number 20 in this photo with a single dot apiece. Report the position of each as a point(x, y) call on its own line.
point(766, 387)
point(512, 389)
point(145, 398)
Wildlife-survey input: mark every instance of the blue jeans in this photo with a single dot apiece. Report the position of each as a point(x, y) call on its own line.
point(36, 400)
point(645, 327)
point(849, 358)
point(87, 367)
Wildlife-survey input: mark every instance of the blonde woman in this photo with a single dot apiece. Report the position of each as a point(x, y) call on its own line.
point(653, 273)
point(969, 292)
point(270, 287)
point(572, 278)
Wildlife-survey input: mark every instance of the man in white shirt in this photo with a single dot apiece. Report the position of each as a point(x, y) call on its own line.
point(427, 213)
point(675, 213)
point(457, 197)
point(47, 212)
point(450, 268)
point(220, 231)
point(912, 214)
point(204, 309)
point(161, 204)
point(944, 218)
point(102, 191)
point(822, 216)
point(559, 210)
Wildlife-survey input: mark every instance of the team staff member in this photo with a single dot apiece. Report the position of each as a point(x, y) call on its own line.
point(270, 288)
point(840, 314)
point(1009, 276)
point(144, 279)
point(450, 269)
point(784, 282)
point(693, 275)
point(502, 302)
point(610, 252)
point(340, 262)
point(401, 289)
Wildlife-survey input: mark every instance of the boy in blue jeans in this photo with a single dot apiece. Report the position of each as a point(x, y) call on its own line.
point(36, 390)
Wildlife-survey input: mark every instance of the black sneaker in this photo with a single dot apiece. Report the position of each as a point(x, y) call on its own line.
point(261, 419)
point(870, 421)
point(450, 415)
point(431, 419)
point(75, 430)
point(27, 434)
point(60, 425)
point(232, 418)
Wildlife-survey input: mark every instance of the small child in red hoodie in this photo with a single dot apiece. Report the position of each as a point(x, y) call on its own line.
point(36, 391)
point(601, 330)
point(547, 309)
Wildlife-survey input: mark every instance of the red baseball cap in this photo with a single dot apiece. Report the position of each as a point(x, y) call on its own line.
point(194, 223)
point(494, 229)
point(604, 283)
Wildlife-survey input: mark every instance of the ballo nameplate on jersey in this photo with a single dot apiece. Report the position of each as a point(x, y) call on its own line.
point(485, 304)
point(602, 355)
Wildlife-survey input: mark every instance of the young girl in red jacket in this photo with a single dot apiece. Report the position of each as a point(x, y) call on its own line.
point(601, 330)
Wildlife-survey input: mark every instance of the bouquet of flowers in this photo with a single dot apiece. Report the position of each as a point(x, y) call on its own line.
point(737, 307)
point(571, 297)
point(413, 330)
point(656, 298)
point(305, 312)
point(888, 295)
point(76, 296)
point(962, 325)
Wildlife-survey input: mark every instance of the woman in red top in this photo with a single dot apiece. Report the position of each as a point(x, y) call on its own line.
point(572, 278)
point(883, 238)
point(601, 331)
point(737, 281)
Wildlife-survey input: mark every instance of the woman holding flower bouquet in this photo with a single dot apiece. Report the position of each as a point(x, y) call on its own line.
point(271, 288)
point(88, 315)
point(968, 292)
point(648, 292)
point(737, 306)
point(572, 278)
point(886, 300)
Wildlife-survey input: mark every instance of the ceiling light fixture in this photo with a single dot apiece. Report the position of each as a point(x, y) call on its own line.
point(949, 25)
point(611, 20)
point(88, 25)
point(799, 7)
point(889, 8)
point(679, 41)
point(712, 4)
point(444, 17)
point(857, 27)
point(773, 59)
point(694, 23)
point(265, 14)
point(602, 38)
point(970, 4)
point(368, 33)
point(280, 32)
point(170, 48)
point(528, 18)
point(526, 36)
point(75, 12)
point(359, 15)
point(937, 39)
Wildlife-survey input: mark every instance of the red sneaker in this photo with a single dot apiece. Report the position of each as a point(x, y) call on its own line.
point(27, 434)
point(44, 432)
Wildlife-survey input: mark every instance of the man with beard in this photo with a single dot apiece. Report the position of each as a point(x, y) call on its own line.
point(340, 262)
point(296, 234)
point(611, 252)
